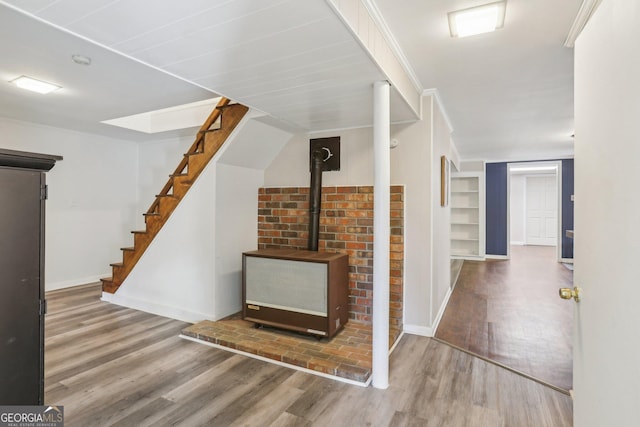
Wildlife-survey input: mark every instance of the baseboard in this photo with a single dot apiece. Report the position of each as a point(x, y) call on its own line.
point(430, 331)
point(443, 307)
point(496, 256)
point(517, 243)
point(567, 260)
point(75, 282)
point(157, 309)
point(423, 331)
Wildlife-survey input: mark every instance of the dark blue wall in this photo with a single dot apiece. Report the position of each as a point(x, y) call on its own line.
point(496, 201)
point(567, 207)
point(497, 208)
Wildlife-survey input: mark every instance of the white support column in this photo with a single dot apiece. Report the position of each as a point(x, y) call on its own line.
point(381, 206)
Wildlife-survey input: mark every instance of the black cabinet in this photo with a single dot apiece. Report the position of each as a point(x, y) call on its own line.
point(22, 209)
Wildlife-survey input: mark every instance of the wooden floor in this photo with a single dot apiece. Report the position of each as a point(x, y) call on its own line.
point(110, 365)
point(510, 312)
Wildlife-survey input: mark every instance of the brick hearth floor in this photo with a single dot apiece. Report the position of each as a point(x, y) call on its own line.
point(347, 355)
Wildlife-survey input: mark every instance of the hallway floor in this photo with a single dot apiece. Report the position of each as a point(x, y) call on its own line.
point(510, 312)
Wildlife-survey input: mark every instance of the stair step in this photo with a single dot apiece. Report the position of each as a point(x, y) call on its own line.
point(108, 285)
point(197, 153)
point(179, 175)
point(130, 248)
point(139, 232)
point(149, 216)
point(117, 264)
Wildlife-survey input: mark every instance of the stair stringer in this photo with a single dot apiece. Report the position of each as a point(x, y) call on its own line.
point(176, 276)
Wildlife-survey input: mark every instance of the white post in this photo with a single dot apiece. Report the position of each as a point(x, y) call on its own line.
point(381, 206)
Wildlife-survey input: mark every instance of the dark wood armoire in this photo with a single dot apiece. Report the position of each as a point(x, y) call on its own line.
point(22, 306)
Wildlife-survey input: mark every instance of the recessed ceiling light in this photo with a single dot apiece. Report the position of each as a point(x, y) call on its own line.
point(477, 20)
point(35, 85)
point(81, 59)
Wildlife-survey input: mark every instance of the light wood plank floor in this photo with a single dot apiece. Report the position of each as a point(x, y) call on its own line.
point(510, 312)
point(110, 365)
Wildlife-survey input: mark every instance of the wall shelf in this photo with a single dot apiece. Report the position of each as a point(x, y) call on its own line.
point(467, 215)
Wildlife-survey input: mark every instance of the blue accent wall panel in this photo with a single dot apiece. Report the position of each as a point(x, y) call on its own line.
point(567, 207)
point(497, 209)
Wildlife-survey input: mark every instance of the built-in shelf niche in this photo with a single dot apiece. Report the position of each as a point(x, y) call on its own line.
point(467, 215)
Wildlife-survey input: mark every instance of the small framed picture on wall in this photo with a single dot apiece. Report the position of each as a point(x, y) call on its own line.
point(444, 181)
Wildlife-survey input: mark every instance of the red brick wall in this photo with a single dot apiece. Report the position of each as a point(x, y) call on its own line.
point(346, 226)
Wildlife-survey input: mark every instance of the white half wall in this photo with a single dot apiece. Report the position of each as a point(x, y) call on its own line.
point(92, 199)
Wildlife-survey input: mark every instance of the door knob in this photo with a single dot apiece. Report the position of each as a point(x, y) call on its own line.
point(568, 293)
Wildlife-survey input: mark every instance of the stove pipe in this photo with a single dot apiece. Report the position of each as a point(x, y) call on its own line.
point(315, 198)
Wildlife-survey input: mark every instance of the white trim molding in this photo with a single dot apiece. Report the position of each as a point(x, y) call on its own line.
point(158, 309)
point(429, 331)
point(75, 282)
point(585, 13)
point(377, 17)
point(435, 93)
point(489, 256)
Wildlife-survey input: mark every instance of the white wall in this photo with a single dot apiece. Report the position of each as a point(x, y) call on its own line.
point(291, 167)
point(192, 269)
point(472, 166)
point(517, 194)
point(441, 226)
point(607, 108)
point(92, 199)
point(411, 165)
point(236, 231)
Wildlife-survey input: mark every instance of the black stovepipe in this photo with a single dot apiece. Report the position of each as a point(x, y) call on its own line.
point(315, 199)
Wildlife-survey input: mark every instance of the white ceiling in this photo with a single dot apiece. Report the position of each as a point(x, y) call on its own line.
point(507, 94)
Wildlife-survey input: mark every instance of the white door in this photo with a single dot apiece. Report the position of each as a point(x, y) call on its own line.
point(607, 218)
point(541, 210)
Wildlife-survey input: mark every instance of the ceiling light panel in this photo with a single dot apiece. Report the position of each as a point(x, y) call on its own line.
point(477, 20)
point(35, 85)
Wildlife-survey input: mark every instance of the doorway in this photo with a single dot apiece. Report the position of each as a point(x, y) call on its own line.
point(535, 207)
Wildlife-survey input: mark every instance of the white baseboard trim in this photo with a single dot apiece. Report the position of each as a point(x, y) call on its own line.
point(423, 331)
point(567, 260)
point(517, 243)
point(157, 309)
point(74, 282)
point(496, 256)
point(395, 344)
point(430, 331)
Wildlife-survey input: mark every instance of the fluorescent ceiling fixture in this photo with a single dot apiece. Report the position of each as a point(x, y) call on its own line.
point(35, 85)
point(173, 118)
point(532, 168)
point(477, 20)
